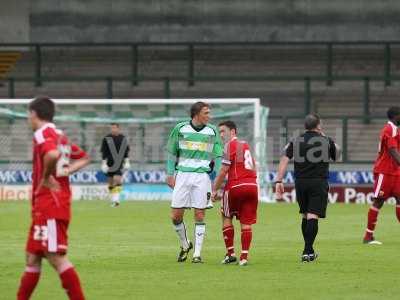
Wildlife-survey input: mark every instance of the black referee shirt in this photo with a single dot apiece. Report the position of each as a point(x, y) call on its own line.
point(114, 145)
point(311, 152)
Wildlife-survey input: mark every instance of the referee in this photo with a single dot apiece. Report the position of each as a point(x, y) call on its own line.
point(311, 151)
point(115, 159)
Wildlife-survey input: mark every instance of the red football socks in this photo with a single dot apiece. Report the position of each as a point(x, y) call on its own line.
point(70, 282)
point(247, 235)
point(372, 219)
point(228, 233)
point(398, 212)
point(29, 281)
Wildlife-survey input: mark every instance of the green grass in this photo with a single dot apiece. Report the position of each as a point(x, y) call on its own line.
point(130, 253)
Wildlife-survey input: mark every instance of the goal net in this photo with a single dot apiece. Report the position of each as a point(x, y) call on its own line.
point(145, 122)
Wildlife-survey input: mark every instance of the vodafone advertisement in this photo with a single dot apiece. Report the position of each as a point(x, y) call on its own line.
point(346, 186)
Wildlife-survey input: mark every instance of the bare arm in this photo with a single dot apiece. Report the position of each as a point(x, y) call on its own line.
point(279, 188)
point(49, 163)
point(221, 177)
point(49, 166)
point(395, 154)
point(76, 165)
point(283, 163)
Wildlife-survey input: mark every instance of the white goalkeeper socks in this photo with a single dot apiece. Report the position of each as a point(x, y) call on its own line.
point(199, 232)
point(182, 234)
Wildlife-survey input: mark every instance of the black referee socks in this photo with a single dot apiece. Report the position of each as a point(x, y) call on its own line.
point(310, 234)
point(303, 228)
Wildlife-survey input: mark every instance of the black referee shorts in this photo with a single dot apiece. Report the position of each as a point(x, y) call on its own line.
point(312, 195)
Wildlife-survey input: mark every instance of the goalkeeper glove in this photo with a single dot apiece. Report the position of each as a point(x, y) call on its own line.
point(127, 164)
point(104, 167)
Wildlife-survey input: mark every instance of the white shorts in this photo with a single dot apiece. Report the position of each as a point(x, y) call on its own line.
point(192, 190)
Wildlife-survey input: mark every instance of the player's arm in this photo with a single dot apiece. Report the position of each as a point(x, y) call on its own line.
point(104, 154)
point(127, 164)
point(392, 143)
point(334, 150)
point(218, 151)
point(49, 166)
point(395, 155)
point(220, 178)
point(80, 159)
point(172, 155)
point(283, 163)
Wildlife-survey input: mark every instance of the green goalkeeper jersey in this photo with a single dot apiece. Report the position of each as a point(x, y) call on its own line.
point(192, 149)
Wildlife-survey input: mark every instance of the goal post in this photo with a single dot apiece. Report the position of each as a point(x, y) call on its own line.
point(145, 122)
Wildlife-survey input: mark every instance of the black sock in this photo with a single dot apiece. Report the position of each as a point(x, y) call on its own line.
point(303, 228)
point(311, 233)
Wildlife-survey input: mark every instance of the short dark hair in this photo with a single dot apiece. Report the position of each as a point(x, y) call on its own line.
point(393, 112)
point(230, 124)
point(197, 107)
point(44, 108)
point(114, 124)
point(311, 121)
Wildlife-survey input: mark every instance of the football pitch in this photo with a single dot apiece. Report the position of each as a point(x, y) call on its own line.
point(130, 253)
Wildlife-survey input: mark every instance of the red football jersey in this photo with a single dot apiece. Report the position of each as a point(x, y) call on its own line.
point(46, 203)
point(242, 165)
point(390, 138)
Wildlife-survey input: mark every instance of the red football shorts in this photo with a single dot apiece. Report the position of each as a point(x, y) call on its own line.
point(386, 186)
point(241, 201)
point(48, 236)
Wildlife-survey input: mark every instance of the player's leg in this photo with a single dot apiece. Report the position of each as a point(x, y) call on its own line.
point(116, 190)
point(57, 245)
point(317, 194)
point(228, 234)
point(30, 277)
point(302, 201)
point(247, 214)
point(396, 193)
point(398, 208)
point(181, 201)
point(200, 194)
point(228, 231)
point(199, 233)
point(304, 225)
point(372, 219)
point(381, 192)
point(68, 275)
point(311, 232)
point(110, 183)
point(181, 230)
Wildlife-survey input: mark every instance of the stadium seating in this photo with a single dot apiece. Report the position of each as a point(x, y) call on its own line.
point(285, 98)
point(7, 62)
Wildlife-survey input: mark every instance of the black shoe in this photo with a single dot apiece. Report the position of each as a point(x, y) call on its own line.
point(183, 255)
point(197, 260)
point(305, 258)
point(229, 259)
point(313, 256)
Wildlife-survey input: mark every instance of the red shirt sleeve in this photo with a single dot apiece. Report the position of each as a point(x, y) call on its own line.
point(391, 138)
point(48, 145)
point(77, 152)
point(226, 159)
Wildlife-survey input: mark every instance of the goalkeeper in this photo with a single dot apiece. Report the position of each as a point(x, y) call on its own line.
point(194, 147)
point(114, 152)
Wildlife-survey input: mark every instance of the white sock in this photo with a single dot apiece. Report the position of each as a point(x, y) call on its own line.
point(199, 232)
point(182, 234)
point(115, 197)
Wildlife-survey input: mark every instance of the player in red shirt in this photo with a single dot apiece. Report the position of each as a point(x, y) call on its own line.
point(386, 172)
point(240, 196)
point(51, 201)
